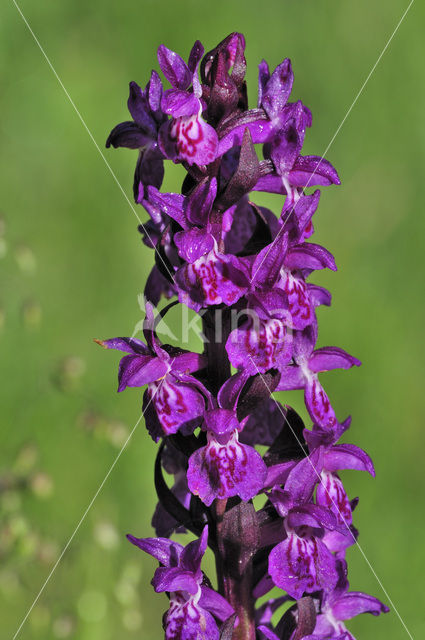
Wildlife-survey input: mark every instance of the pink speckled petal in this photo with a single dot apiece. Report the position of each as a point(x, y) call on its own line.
point(222, 471)
point(259, 346)
point(211, 280)
point(301, 311)
point(302, 565)
point(331, 495)
point(190, 139)
point(187, 620)
point(318, 403)
point(177, 405)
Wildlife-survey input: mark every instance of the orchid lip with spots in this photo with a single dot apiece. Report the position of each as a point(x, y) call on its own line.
point(264, 492)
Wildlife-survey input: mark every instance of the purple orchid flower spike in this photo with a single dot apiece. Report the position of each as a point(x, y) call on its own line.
point(191, 602)
point(279, 516)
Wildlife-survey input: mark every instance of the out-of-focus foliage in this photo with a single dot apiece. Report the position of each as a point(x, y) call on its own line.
point(72, 265)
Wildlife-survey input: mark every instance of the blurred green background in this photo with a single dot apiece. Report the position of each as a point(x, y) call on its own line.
point(72, 265)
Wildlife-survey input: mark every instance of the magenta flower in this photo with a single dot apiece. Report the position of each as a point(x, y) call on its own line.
point(225, 467)
point(191, 603)
point(187, 137)
point(175, 395)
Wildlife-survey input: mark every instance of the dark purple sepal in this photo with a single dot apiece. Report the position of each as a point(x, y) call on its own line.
point(312, 171)
point(139, 109)
point(176, 103)
point(245, 176)
point(138, 370)
point(268, 263)
point(325, 436)
point(166, 551)
point(169, 203)
point(319, 295)
point(329, 358)
point(313, 516)
point(354, 603)
point(309, 256)
point(157, 286)
point(301, 481)
point(348, 456)
point(285, 146)
point(277, 89)
point(200, 202)
point(195, 56)
point(174, 579)
point(229, 393)
point(174, 68)
point(149, 171)
point(129, 135)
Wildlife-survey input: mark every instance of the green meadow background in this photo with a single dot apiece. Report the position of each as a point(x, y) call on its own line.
point(72, 265)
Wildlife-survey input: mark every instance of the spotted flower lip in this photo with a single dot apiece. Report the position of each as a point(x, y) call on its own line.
point(259, 346)
point(302, 565)
point(225, 467)
point(212, 279)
